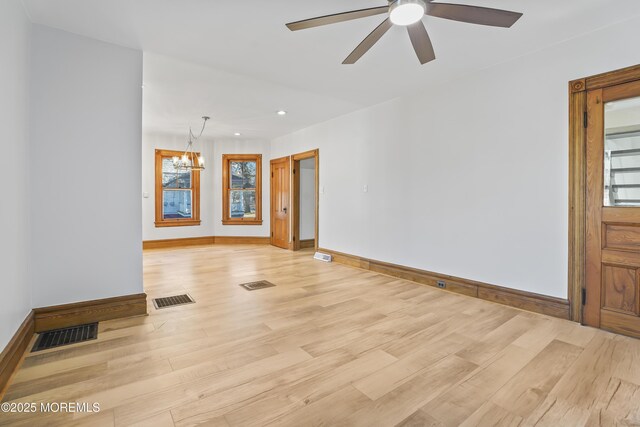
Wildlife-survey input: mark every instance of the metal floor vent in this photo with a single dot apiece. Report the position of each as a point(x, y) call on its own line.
point(66, 336)
point(252, 286)
point(172, 301)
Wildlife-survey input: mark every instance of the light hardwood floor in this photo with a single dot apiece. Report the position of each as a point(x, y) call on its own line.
point(329, 345)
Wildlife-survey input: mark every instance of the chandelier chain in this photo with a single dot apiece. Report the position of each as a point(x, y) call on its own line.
point(189, 160)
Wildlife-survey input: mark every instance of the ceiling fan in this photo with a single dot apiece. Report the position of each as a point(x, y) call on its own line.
point(409, 13)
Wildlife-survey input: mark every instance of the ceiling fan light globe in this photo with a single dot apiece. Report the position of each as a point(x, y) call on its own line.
point(406, 12)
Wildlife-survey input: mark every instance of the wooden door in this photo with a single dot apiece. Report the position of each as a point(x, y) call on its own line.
point(280, 197)
point(612, 299)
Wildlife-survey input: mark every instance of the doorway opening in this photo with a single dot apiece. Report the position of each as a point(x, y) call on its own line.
point(305, 196)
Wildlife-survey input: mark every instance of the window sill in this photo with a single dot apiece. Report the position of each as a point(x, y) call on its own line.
point(242, 222)
point(178, 223)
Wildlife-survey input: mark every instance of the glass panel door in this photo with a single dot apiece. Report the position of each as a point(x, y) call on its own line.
point(622, 152)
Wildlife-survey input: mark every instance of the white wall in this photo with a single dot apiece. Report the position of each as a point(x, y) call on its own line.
point(468, 178)
point(210, 186)
point(86, 121)
point(15, 303)
point(307, 199)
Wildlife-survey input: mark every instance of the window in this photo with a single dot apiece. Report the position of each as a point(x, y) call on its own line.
point(177, 193)
point(242, 189)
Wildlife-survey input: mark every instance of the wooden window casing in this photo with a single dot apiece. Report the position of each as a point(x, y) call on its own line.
point(159, 189)
point(227, 218)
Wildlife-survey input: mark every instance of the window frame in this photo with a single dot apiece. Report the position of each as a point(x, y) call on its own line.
point(226, 188)
point(195, 193)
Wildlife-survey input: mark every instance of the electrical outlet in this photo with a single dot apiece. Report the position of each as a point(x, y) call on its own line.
point(441, 284)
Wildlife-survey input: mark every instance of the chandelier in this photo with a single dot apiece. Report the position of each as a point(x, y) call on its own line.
point(190, 160)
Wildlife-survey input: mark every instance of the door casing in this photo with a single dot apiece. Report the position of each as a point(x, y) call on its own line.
point(578, 122)
point(315, 154)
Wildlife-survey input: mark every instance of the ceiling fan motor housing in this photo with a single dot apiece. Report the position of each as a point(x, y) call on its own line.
point(407, 12)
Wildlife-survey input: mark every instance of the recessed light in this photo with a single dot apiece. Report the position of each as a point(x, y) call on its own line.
point(237, 134)
point(281, 112)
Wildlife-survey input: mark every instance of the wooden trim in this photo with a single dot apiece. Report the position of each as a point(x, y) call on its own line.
point(307, 243)
point(242, 240)
point(577, 86)
point(204, 241)
point(13, 354)
point(195, 189)
point(177, 223)
point(528, 301)
point(241, 221)
point(226, 159)
point(578, 178)
point(305, 155)
point(622, 91)
point(62, 316)
point(577, 196)
point(295, 205)
point(295, 195)
point(423, 277)
point(317, 231)
point(178, 243)
point(543, 304)
point(594, 189)
point(624, 75)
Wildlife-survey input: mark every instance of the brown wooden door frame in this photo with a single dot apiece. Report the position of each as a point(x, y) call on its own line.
point(594, 179)
point(273, 207)
point(578, 120)
point(296, 158)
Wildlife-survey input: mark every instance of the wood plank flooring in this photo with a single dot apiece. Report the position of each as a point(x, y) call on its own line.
point(329, 345)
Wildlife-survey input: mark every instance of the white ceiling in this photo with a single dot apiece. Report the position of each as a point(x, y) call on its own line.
point(236, 61)
point(177, 93)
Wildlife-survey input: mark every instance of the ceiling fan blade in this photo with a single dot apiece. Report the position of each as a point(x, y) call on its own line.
point(368, 42)
point(473, 14)
point(421, 42)
point(337, 17)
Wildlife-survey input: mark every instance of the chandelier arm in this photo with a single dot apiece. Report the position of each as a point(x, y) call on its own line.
point(186, 151)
